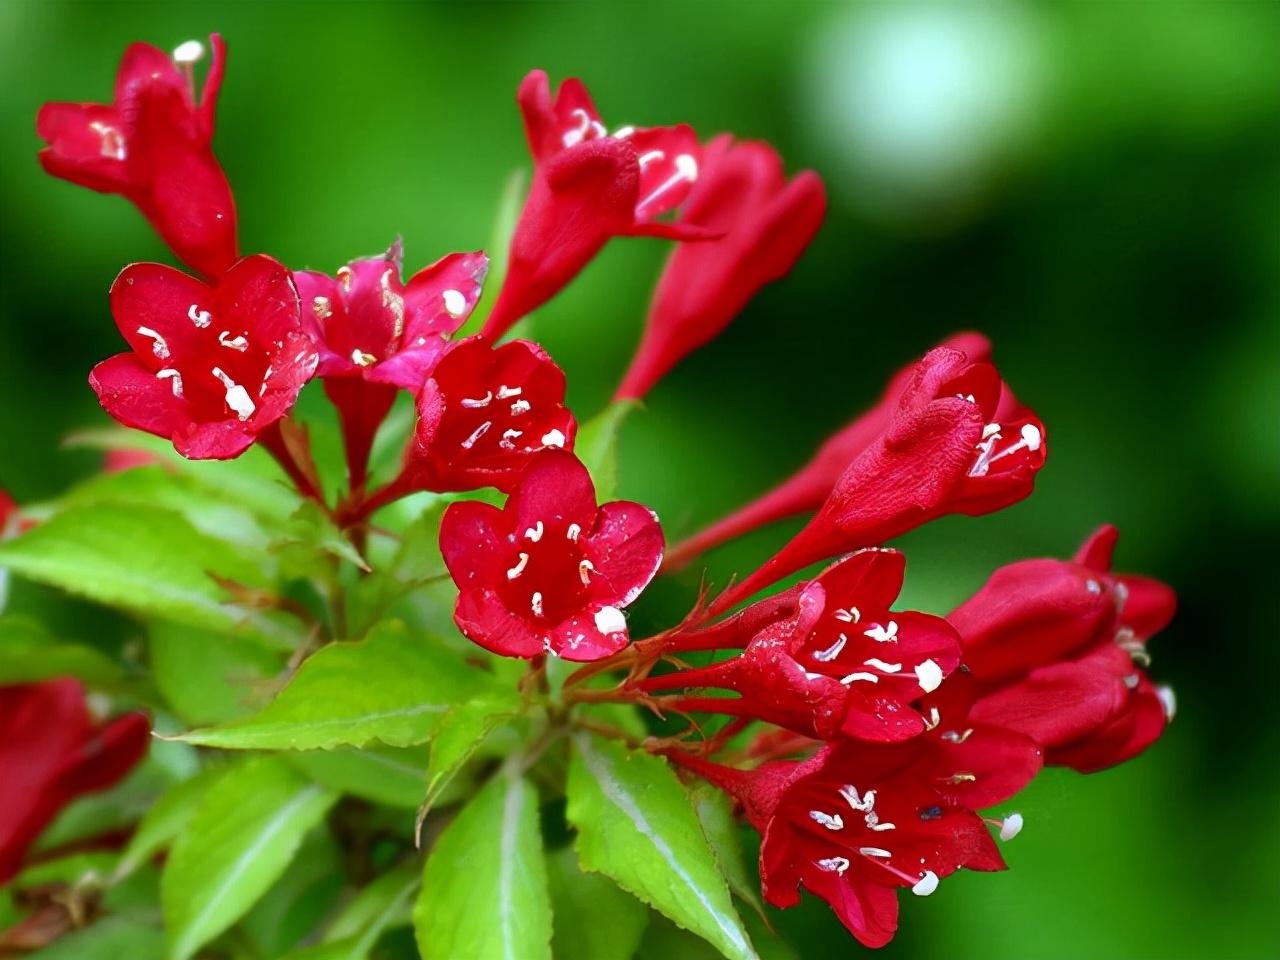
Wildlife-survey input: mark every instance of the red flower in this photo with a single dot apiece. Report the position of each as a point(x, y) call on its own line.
point(856, 823)
point(588, 185)
point(551, 571)
point(942, 451)
point(376, 334)
point(804, 491)
point(51, 753)
point(153, 145)
point(1057, 649)
point(842, 665)
point(765, 222)
point(211, 367)
point(482, 414)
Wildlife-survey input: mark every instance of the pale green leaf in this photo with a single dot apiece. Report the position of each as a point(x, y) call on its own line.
point(460, 734)
point(715, 811)
point(383, 904)
point(594, 918)
point(484, 887)
point(636, 824)
point(210, 676)
point(28, 653)
point(391, 686)
point(596, 445)
point(240, 841)
point(166, 818)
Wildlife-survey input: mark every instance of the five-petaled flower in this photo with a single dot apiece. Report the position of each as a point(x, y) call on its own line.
point(588, 185)
point(51, 752)
point(153, 145)
point(376, 334)
point(482, 413)
point(840, 665)
point(211, 367)
point(765, 221)
point(551, 571)
point(1057, 650)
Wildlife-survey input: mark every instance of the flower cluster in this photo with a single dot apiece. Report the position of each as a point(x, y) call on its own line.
point(860, 740)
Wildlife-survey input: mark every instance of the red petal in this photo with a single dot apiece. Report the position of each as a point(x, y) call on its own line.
point(472, 535)
point(483, 619)
point(555, 488)
point(580, 639)
point(135, 397)
point(625, 547)
point(1054, 705)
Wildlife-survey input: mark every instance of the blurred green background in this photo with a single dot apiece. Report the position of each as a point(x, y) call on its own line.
point(1094, 185)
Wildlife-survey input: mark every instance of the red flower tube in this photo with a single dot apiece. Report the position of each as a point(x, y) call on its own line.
point(51, 753)
point(588, 185)
point(765, 221)
point(941, 452)
point(211, 367)
point(153, 146)
point(551, 571)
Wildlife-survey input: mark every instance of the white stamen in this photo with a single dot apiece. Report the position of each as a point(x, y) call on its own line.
point(584, 572)
point(322, 308)
point(1010, 826)
point(201, 318)
point(852, 615)
point(237, 398)
point(862, 804)
point(1031, 439)
point(572, 532)
point(479, 432)
point(829, 820)
point(610, 620)
point(879, 827)
point(882, 666)
point(874, 852)
point(534, 533)
point(455, 303)
point(188, 53)
point(1167, 700)
point(957, 736)
point(991, 430)
point(239, 343)
point(508, 439)
point(159, 347)
point(929, 676)
point(506, 393)
point(519, 567)
point(869, 677)
point(553, 438)
point(1093, 586)
point(686, 169)
point(535, 603)
point(833, 651)
point(174, 376)
point(883, 634)
point(927, 884)
point(520, 406)
point(1131, 681)
point(931, 722)
point(652, 155)
point(477, 404)
point(837, 865)
point(623, 132)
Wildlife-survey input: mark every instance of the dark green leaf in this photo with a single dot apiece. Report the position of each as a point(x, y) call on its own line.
point(28, 653)
point(111, 938)
point(594, 918)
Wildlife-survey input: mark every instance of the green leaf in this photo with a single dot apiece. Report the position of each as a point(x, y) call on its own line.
point(484, 887)
point(392, 687)
point(142, 559)
point(597, 446)
point(460, 734)
point(297, 903)
point(396, 778)
point(383, 904)
point(210, 676)
point(635, 823)
point(168, 817)
point(314, 529)
point(595, 919)
point(237, 845)
point(28, 652)
point(715, 812)
point(110, 938)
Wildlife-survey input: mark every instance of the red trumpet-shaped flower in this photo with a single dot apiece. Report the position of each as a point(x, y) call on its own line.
point(804, 491)
point(551, 571)
point(765, 222)
point(153, 145)
point(482, 414)
point(841, 665)
point(942, 451)
point(211, 367)
point(377, 334)
point(1057, 650)
point(856, 823)
point(51, 753)
point(588, 185)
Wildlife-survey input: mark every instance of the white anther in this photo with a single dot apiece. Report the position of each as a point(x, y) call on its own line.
point(875, 852)
point(520, 406)
point(158, 345)
point(535, 603)
point(201, 318)
point(610, 620)
point(990, 430)
point(957, 736)
point(484, 401)
point(345, 278)
point(1010, 826)
point(572, 532)
point(623, 132)
point(879, 827)
point(862, 804)
point(883, 634)
point(240, 343)
point(852, 615)
point(237, 397)
point(476, 434)
point(929, 676)
point(1131, 681)
point(509, 438)
point(832, 821)
point(519, 567)
point(931, 722)
point(1031, 436)
point(882, 666)
point(833, 651)
point(926, 885)
point(837, 865)
point(584, 572)
point(553, 438)
point(652, 155)
point(174, 377)
point(506, 393)
point(534, 533)
point(322, 307)
point(455, 303)
point(1093, 586)
point(1167, 700)
point(868, 677)
point(687, 166)
point(190, 52)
